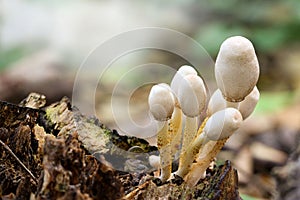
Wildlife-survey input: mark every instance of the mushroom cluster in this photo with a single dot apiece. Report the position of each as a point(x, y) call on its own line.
point(236, 72)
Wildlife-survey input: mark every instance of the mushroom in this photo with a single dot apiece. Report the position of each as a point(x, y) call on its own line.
point(180, 74)
point(176, 120)
point(212, 148)
point(219, 126)
point(236, 69)
point(216, 103)
point(206, 156)
point(192, 98)
point(247, 106)
point(154, 161)
point(161, 104)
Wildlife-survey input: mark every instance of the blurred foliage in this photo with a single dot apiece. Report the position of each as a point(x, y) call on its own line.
point(246, 197)
point(273, 101)
point(270, 25)
point(11, 55)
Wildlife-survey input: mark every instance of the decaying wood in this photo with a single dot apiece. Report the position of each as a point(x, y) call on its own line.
point(221, 183)
point(77, 157)
point(18, 160)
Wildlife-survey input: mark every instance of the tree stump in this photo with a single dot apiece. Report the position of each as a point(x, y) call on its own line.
point(55, 152)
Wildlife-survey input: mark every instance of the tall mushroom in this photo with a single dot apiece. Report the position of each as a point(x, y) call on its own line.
point(236, 72)
point(176, 120)
point(161, 104)
point(192, 98)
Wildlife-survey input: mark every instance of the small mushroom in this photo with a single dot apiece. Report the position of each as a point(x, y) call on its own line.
point(236, 69)
point(154, 161)
point(219, 126)
point(161, 104)
point(248, 105)
point(216, 103)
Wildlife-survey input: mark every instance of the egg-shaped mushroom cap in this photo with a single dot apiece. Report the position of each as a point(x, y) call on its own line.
point(192, 95)
point(180, 74)
point(161, 102)
point(216, 102)
point(236, 68)
point(154, 161)
point(222, 124)
point(247, 106)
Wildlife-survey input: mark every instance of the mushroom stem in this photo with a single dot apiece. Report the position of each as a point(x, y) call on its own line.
point(219, 126)
point(207, 155)
point(163, 144)
point(176, 124)
point(188, 156)
point(192, 98)
point(190, 131)
point(161, 105)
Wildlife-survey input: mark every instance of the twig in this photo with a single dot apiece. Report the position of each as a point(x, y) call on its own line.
point(18, 160)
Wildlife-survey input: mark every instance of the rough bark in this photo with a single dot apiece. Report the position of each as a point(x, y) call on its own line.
point(67, 155)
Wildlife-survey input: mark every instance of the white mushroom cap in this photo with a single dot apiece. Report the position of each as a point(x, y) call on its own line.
point(154, 161)
point(182, 72)
point(161, 102)
point(192, 95)
point(216, 103)
point(222, 124)
point(247, 106)
point(237, 68)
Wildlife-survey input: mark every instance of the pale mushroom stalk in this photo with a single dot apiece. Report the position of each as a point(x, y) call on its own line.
point(190, 131)
point(188, 156)
point(207, 155)
point(218, 127)
point(161, 104)
point(163, 144)
point(176, 123)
